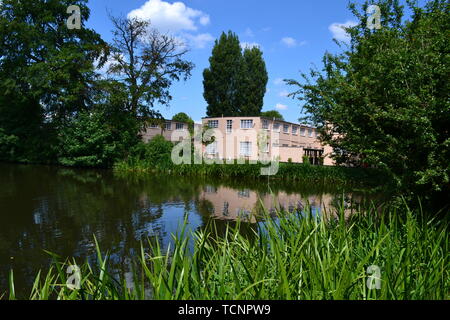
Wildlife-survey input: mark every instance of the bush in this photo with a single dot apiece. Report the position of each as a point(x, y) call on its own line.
point(91, 140)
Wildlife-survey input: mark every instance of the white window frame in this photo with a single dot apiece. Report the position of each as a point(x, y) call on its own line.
point(211, 149)
point(277, 127)
point(265, 124)
point(310, 132)
point(303, 132)
point(294, 130)
point(265, 148)
point(179, 127)
point(213, 124)
point(229, 126)
point(245, 149)
point(168, 126)
point(286, 128)
point(246, 124)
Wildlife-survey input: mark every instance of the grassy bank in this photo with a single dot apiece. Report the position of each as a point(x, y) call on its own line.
point(294, 257)
point(287, 171)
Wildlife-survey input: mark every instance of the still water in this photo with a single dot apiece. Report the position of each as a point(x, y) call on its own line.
point(60, 210)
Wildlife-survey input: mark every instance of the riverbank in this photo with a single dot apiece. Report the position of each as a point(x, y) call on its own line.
point(392, 255)
point(339, 176)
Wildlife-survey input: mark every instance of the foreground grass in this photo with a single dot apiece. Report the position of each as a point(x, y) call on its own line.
point(293, 257)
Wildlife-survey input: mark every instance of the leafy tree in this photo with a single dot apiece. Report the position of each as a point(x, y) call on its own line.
point(223, 78)
point(43, 60)
point(147, 63)
point(97, 139)
point(273, 114)
point(46, 73)
point(183, 117)
point(235, 82)
point(384, 101)
point(254, 83)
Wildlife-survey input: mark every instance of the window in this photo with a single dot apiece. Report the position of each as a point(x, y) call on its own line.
point(246, 149)
point(213, 124)
point(294, 129)
point(153, 126)
point(179, 126)
point(168, 126)
point(265, 148)
point(276, 127)
point(302, 132)
point(244, 193)
point(210, 189)
point(246, 124)
point(211, 148)
point(226, 206)
point(310, 133)
point(286, 128)
point(265, 124)
point(229, 126)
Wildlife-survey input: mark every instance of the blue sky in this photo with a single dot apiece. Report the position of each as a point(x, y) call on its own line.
point(293, 35)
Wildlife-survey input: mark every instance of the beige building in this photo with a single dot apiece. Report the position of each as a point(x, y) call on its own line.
point(251, 138)
point(171, 130)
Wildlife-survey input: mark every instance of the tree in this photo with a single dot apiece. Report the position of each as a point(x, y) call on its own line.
point(222, 80)
point(184, 118)
point(44, 60)
point(384, 100)
point(273, 114)
point(46, 72)
point(147, 63)
point(235, 83)
point(254, 82)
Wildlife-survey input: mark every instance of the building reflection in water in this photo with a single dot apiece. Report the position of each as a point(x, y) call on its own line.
point(246, 205)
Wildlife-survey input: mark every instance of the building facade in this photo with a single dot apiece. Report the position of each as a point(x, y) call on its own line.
point(171, 130)
point(251, 138)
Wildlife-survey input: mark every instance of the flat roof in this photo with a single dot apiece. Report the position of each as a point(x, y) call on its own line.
point(266, 118)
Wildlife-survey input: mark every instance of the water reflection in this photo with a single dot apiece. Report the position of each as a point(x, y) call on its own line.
point(59, 210)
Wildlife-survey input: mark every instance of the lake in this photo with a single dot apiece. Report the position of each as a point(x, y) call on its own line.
point(60, 210)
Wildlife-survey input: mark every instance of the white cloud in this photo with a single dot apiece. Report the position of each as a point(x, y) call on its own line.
point(283, 93)
point(171, 17)
point(337, 29)
point(278, 81)
point(250, 45)
point(198, 41)
point(291, 42)
point(249, 33)
point(280, 106)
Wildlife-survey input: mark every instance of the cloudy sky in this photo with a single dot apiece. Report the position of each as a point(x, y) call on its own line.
point(293, 35)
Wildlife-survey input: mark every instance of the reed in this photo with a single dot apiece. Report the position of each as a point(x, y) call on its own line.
point(295, 256)
point(341, 176)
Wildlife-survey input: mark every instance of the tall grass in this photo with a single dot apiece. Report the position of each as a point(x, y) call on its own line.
point(295, 256)
point(287, 171)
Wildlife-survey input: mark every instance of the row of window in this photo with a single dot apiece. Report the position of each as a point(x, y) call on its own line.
point(244, 151)
point(248, 124)
point(168, 126)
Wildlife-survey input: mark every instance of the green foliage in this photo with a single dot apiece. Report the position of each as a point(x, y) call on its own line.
point(89, 140)
point(8, 145)
point(235, 82)
point(294, 257)
point(384, 100)
point(184, 118)
point(272, 114)
point(305, 172)
point(254, 82)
